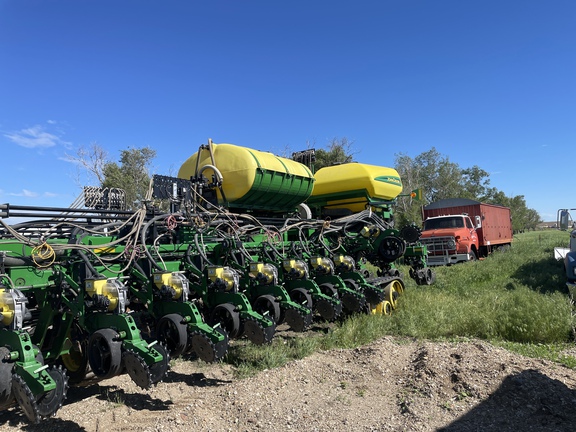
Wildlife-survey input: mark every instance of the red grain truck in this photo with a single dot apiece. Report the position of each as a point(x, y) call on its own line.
point(458, 230)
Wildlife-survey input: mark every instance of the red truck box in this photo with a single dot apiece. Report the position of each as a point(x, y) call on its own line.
point(459, 229)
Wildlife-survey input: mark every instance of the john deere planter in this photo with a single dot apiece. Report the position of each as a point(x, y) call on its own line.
point(248, 244)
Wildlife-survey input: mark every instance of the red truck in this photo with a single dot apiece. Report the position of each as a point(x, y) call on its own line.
point(458, 230)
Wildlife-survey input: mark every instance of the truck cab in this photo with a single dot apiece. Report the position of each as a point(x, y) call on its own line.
point(450, 239)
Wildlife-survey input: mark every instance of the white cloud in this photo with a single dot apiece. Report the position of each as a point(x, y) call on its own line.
point(34, 137)
point(25, 193)
point(31, 194)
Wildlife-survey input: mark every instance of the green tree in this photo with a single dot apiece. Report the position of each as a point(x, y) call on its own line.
point(439, 179)
point(495, 196)
point(338, 151)
point(431, 172)
point(532, 219)
point(408, 210)
point(132, 174)
point(475, 182)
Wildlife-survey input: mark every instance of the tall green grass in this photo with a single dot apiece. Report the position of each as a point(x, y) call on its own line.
point(516, 298)
point(519, 296)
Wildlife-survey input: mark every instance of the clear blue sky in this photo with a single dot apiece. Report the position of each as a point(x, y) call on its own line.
point(489, 83)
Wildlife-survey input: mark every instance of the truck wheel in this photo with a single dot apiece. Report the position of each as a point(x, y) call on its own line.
point(473, 256)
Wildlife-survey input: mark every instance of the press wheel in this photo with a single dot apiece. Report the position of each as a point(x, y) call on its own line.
point(302, 297)
point(6, 395)
point(173, 333)
point(105, 353)
point(267, 305)
point(228, 317)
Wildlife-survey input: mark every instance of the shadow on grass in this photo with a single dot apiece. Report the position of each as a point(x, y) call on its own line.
point(545, 276)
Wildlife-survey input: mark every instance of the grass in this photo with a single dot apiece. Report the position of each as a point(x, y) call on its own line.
point(515, 299)
point(249, 358)
point(517, 296)
point(116, 398)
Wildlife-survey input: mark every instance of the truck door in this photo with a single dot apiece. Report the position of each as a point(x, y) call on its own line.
point(472, 230)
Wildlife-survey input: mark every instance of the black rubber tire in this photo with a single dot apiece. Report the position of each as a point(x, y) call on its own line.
point(228, 317)
point(105, 353)
point(6, 395)
point(430, 276)
point(173, 333)
point(329, 290)
point(391, 248)
point(352, 284)
point(267, 303)
point(301, 296)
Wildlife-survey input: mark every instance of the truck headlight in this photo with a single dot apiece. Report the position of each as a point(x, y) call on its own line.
point(451, 244)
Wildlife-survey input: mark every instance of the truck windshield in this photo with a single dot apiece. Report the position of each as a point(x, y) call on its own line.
point(445, 222)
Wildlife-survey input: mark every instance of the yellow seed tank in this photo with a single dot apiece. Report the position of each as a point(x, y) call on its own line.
point(354, 186)
point(252, 179)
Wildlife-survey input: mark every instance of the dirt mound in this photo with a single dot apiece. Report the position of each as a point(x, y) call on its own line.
point(389, 385)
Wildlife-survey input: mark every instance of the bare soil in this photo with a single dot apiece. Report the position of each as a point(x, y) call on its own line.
point(390, 385)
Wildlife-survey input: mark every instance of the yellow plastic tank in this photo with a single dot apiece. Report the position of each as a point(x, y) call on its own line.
point(252, 179)
point(354, 186)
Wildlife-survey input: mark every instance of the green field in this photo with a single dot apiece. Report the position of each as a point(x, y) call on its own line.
point(515, 299)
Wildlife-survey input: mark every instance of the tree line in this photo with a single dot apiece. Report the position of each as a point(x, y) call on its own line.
point(431, 172)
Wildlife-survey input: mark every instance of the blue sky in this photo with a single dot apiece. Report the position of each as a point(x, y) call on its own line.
point(488, 83)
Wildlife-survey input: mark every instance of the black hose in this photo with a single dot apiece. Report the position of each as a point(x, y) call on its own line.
point(89, 265)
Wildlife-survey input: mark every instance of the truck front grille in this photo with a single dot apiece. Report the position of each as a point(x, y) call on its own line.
point(440, 245)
